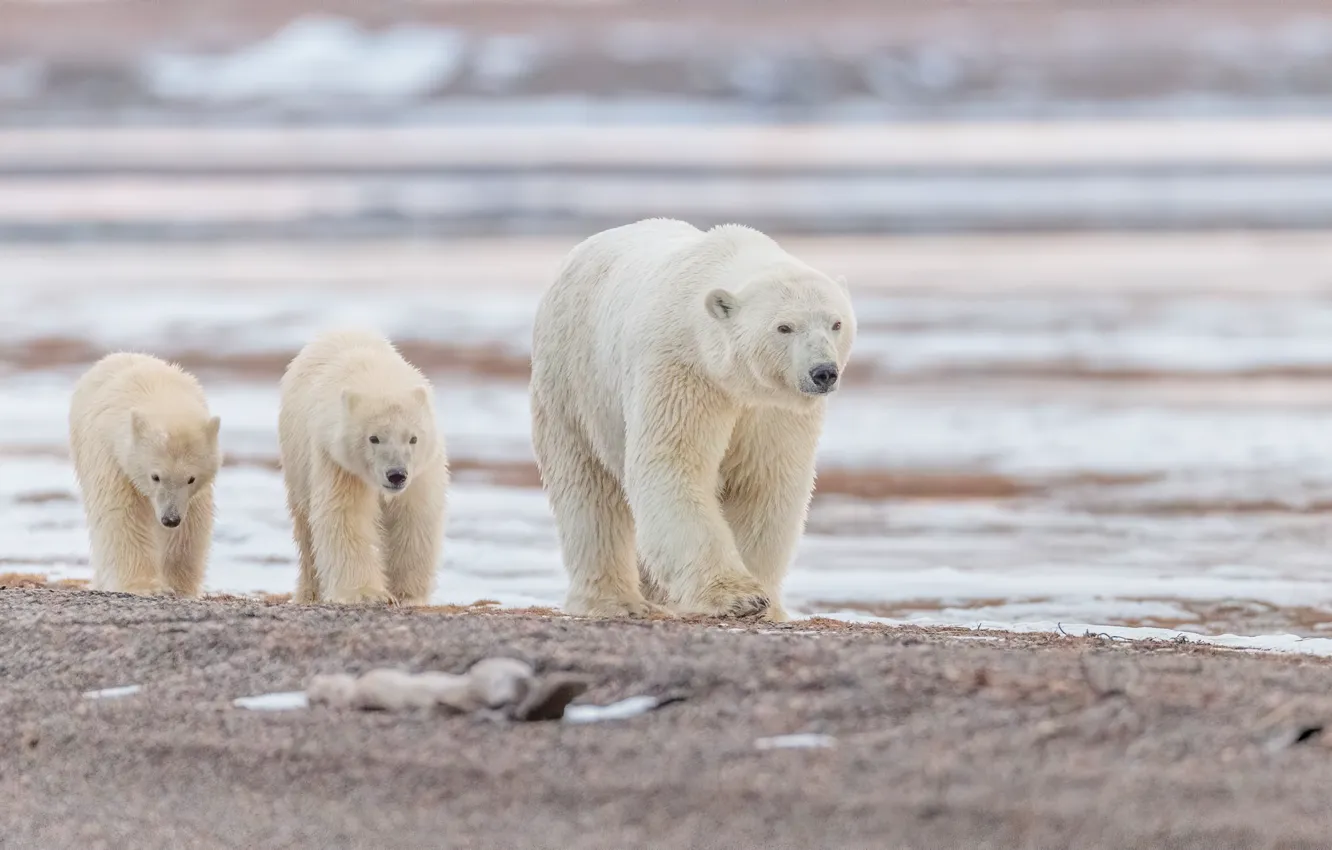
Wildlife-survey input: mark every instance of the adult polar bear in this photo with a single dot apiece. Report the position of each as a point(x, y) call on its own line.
point(679, 380)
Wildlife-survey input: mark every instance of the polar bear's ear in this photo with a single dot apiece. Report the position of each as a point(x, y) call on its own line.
point(722, 304)
point(350, 400)
point(214, 425)
point(841, 281)
point(420, 396)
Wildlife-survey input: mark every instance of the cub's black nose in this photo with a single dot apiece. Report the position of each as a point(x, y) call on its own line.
point(824, 376)
point(397, 477)
point(171, 521)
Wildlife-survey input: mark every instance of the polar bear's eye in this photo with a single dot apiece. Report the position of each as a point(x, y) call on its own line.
point(156, 477)
point(837, 326)
point(191, 481)
point(374, 440)
point(783, 329)
point(413, 441)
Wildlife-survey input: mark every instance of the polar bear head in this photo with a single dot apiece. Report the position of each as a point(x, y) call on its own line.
point(170, 459)
point(386, 437)
point(787, 334)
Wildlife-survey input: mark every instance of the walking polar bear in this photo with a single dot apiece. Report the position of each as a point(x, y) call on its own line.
point(366, 471)
point(146, 454)
point(679, 381)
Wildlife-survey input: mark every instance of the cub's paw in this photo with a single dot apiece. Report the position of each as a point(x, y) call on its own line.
point(361, 596)
point(405, 601)
point(148, 589)
point(776, 614)
point(612, 608)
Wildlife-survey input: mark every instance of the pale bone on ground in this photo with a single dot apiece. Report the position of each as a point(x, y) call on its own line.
point(502, 685)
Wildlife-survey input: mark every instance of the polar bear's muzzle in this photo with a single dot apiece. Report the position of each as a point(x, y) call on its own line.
point(821, 380)
point(395, 479)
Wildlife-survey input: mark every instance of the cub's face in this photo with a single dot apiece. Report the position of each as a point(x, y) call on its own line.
point(171, 461)
point(386, 438)
point(789, 335)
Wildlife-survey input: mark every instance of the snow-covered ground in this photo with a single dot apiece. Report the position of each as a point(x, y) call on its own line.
point(1117, 450)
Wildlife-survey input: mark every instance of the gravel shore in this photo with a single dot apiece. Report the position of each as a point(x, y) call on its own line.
point(942, 738)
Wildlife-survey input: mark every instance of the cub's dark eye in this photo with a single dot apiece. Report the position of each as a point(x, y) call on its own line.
point(191, 481)
point(413, 441)
point(837, 326)
point(783, 329)
point(374, 440)
point(156, 477)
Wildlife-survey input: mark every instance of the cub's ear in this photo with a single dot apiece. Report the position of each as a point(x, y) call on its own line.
point(420, 396)
point(139, 428)
point(722, 304)
point(214, 425)
point(350, 400)
point(841, 281)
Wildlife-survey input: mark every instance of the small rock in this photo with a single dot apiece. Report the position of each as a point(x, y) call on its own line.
point(391, 690)
point(502, 688)
point(500, 681)
point(336, 690)
point(548, 698)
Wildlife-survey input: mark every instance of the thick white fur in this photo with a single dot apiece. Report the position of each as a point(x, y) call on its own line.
point(673, 423)
point(133, 417)
point(359, 541)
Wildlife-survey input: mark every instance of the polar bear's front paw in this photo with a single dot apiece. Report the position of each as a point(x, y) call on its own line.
point(734, 598)
point(752, 605)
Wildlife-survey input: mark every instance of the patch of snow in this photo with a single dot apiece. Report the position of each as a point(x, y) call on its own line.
point(114, 693)
point(21, 79)
point(500, 61)
point(278, 701)
point(799, 741)
point(622, 710)
point(315, 57)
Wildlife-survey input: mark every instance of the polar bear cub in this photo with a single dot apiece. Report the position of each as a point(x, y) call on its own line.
point(365, 469)
point(679, 380)
point(146, 454)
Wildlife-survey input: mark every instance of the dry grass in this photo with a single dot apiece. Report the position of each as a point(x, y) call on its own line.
point(10, 581)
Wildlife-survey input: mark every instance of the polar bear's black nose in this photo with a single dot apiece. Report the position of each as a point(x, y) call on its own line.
point(171, 520)
point(396, 477)
point(824, 376)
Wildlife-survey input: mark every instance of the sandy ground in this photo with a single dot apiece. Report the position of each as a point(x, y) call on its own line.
point(943, 739)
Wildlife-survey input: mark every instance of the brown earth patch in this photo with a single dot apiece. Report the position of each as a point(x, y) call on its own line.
point(9, 581)
point(485, 361)
point(51, 561)
point(1201, 507)
point(496, 362)
point(866, 374)
point(43, 497)
point(944, 484)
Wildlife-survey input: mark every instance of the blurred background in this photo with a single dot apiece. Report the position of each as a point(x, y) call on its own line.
point(1087, 243)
